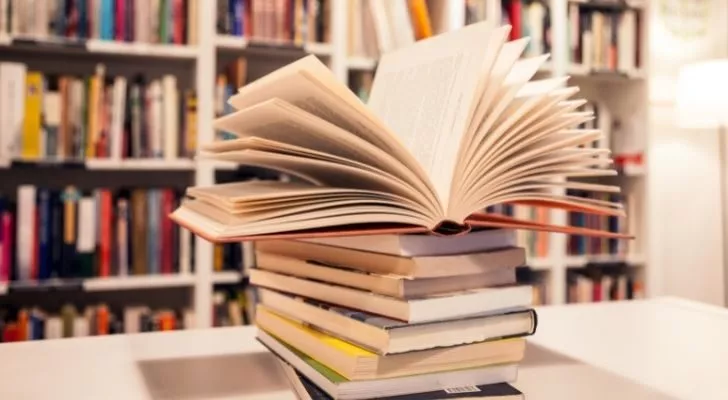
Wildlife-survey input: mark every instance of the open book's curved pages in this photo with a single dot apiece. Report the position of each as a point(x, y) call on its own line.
point(455, 124)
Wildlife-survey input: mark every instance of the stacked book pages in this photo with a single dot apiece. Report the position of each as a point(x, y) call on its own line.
point(382, 316)
point(381, 274)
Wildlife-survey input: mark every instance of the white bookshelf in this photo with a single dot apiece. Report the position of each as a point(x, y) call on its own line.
point(140, 282)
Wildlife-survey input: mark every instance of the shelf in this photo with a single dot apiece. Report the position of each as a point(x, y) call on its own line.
point(231, 42)
point(56, 45)
point(583, 71)
point(222, 277)
point(631, 259)
point(142, 49)
point(540, 263)
point(612, 4)
point(361, 63)
point(3, 288)
point(138, 282)
point(150, 164)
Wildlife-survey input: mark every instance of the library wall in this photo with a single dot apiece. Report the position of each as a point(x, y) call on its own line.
point(683, 165)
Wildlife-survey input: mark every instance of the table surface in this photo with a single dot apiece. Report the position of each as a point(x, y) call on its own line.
point(648, 350)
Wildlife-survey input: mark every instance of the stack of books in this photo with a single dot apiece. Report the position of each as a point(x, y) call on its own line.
point(366, 317)
point(453, 126)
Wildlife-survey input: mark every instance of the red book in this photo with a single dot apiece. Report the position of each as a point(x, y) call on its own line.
point(102, 320)
point(514, 11)
point(36, 246)
point(167, 259)
point(247, 18)
point(6, 226)
point(597, 289)
point(10, 334)
point(120, 20)
point(178, 21)
point(22, 332)
point(105, 232)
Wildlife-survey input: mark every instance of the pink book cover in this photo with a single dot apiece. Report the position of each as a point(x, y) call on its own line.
point(120, 20)
point(6, 226)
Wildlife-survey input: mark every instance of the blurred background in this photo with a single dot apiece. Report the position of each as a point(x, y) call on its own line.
point(103, 104)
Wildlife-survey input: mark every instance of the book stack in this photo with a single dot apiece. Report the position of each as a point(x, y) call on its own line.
point(365, 317)
point(69, 233)
point(98, 116)
point(453, 126)
point(154, 21)
point(280, 22)
point(17, 325)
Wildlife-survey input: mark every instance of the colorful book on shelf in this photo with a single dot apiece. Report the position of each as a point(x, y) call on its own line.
point(376, 169)
point(72, 234)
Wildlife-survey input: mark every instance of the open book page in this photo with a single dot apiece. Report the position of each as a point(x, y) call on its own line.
point(279, 121)
point(311, 86)
point(219, 225)
point(427, 92)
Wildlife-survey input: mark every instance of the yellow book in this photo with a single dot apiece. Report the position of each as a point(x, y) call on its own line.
point(95, 99)
point(356, 363)
point(420, 17)
point(218, 257)
point(31, 141)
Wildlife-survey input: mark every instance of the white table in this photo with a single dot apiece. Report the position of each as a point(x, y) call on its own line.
point(650, 350)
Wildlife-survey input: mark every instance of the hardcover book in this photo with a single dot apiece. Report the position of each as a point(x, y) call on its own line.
point(454, 124)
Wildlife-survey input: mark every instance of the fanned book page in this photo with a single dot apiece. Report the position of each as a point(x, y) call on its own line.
point(455, 124)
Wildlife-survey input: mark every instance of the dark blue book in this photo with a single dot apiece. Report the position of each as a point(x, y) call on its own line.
point(129, 29)
point(56, 237)
point(68, 267)
point(37, 326)
point(83, 20)
point(44, 234)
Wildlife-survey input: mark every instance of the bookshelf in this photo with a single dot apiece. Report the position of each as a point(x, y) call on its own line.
point(196, 66)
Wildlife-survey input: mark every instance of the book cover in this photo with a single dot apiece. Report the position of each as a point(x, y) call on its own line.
point(31, 141)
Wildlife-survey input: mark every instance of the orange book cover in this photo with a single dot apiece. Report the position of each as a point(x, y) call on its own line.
point(420, 16)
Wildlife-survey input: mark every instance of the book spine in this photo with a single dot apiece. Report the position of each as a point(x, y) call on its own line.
point(6, 225)
point(31, 140)
point(86, 243)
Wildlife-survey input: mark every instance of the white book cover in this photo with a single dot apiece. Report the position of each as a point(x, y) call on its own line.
point(52, 122)
point(155, 121)
point(41, 14)
point(4, 17)
point(627, 41)
point(86, 241)
point(16, 17)
point(574, 21)
point(80, 327)
point(53, 328)
point(25, 245)
point(118, 114)
point(192, 31)
point(170, 100)
point(400, 23)
point(535, 15)
point(142, 24)
point(12, 107)
point(380, 18)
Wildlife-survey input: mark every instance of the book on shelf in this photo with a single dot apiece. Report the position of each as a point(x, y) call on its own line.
point(67, 117)
point(381, 168)
point(583, 245)
point(307, 390)
point(604, 39)
point(529, 18)
point(379, 26)
point(69, 233)
point(276, 22)
point(603, 283)
point(154, 21)
point(33, 323)
point(538, 281)
point(233, 76)
point(229, 308)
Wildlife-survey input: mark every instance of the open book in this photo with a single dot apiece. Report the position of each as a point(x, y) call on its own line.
point(454, 124)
